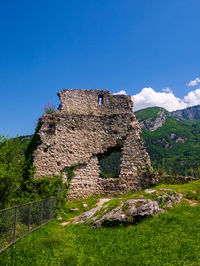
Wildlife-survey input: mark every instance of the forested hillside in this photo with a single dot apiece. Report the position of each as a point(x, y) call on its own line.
point(175, 145)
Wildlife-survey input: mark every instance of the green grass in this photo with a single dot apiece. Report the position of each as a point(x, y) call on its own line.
point(78, 204)
point(150, 112)
point(185, 188)
point(190, 191)
point(170, 238)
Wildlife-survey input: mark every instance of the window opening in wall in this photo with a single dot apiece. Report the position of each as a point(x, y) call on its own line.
point(110, 163)
point(100, 99)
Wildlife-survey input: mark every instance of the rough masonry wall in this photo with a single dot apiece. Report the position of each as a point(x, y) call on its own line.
point(81, 131)
point(86, 102)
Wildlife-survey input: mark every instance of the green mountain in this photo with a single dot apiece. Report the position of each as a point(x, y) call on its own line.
point(172, 139)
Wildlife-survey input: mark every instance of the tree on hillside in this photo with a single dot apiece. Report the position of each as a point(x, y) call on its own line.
point(11, 165)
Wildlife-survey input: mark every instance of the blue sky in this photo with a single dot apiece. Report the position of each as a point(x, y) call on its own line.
point(46, 46)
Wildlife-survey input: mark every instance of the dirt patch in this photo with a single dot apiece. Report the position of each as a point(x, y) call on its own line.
point(102, 201)
point(65, 223)
point(191, 202)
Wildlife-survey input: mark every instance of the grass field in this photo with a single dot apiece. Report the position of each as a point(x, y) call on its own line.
point(171, 238)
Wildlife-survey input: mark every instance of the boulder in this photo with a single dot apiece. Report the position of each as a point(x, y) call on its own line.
point(129, 212)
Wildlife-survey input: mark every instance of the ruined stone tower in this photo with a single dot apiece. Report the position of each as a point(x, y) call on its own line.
point(88, 126)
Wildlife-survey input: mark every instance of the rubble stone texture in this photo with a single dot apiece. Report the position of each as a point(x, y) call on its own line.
point(88, 126)
point(128, 212)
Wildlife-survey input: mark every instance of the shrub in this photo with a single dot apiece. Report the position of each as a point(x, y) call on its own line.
point(49, 108)
point(11, 166)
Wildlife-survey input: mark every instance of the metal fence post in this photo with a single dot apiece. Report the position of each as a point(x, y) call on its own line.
point(29, 217)
point(15, 224)
point(51, 202)
point(41, 212)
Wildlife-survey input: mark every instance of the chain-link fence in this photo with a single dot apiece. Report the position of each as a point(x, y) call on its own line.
point(16, 222)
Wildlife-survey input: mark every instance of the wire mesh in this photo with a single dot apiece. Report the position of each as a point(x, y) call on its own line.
point(20, 220)
point(6, 227)
point(46, 216)
point(54, 205)
point(35, 217)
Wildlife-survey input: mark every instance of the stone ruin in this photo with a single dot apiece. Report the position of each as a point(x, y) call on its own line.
point(88, 127)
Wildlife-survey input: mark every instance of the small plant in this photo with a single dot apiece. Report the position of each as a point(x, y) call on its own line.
point(192, 195)
point(70, 172)
point(49, 108)
point(74, 112)
point(125, 207)
point(139, 204)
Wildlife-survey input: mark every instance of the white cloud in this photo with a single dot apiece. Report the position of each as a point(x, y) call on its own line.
point(122, 92)
point(193, 97)
point(148, 97)
point(194, 82)
point(166, 90)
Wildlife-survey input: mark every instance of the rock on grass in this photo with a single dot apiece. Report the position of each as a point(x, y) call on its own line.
point(129, 212)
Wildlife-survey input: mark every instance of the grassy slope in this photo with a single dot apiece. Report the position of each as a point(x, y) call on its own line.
point(149, 112)
point(171, 238)
point(179, 156)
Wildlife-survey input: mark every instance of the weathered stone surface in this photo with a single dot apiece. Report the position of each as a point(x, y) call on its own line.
point(86, 216)
point(88, 125)
point(74, 210)
point(152, 123)
point(128, 212)
point(165, 197)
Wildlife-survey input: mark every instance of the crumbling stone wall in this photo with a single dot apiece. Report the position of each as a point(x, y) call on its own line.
point(87, 102)
point(88, 125)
